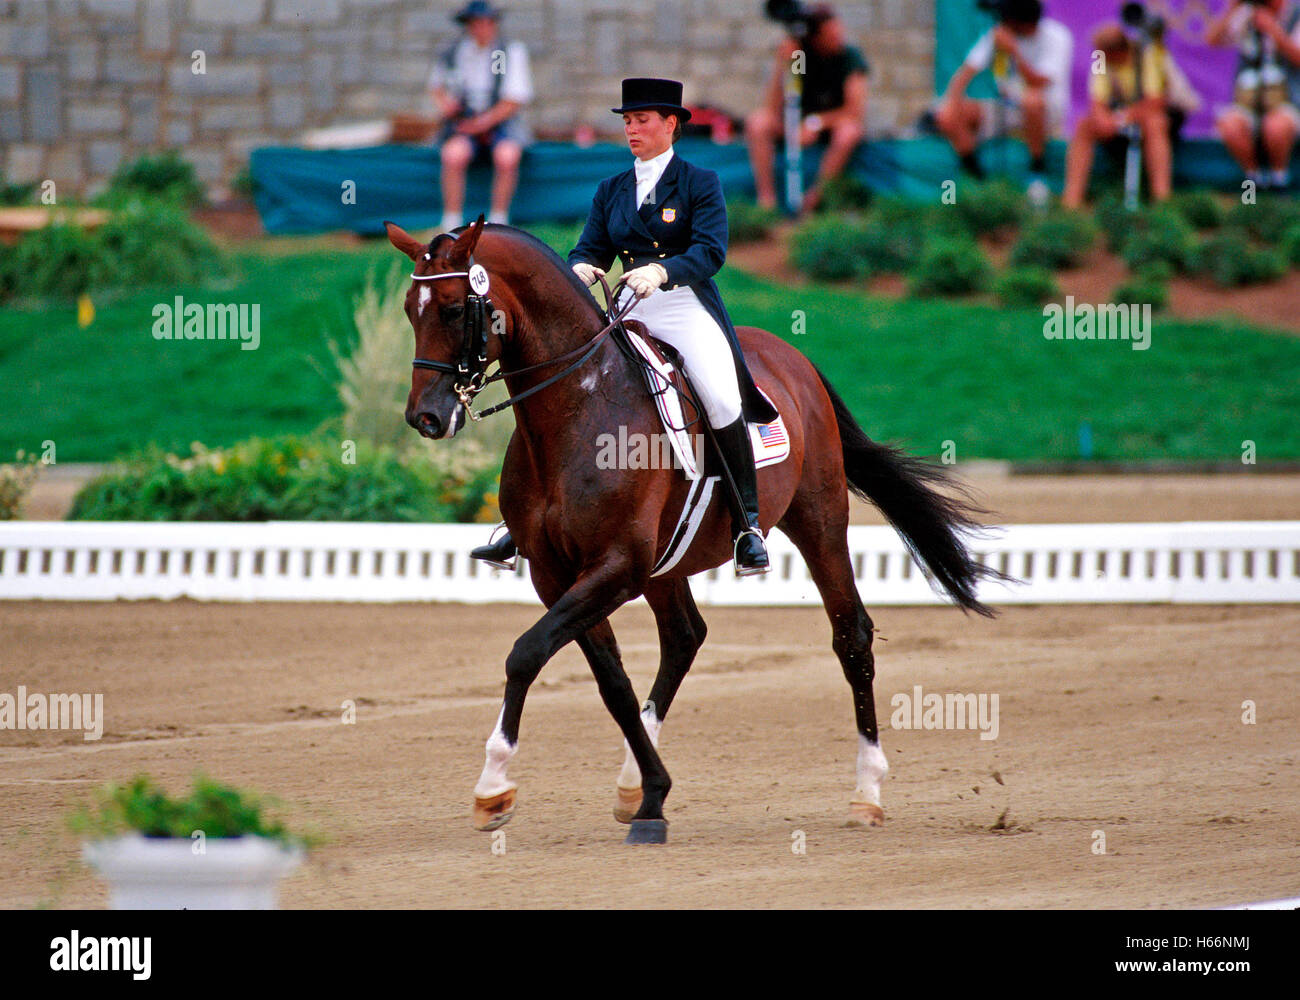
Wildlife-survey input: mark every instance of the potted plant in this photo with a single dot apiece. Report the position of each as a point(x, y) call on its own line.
point(214, 850)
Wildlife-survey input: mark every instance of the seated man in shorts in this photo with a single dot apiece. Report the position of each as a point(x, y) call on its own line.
point(833, 105)
point(480, 85)
point(1267, 87)
point(1120, 106)
point(1030, 55)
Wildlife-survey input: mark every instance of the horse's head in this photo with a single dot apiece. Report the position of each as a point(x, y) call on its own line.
point(452, 324)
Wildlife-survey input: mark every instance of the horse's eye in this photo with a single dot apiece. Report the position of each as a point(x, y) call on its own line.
point(452, 312)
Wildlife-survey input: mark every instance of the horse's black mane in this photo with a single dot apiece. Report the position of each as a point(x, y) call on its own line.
point(541, 247)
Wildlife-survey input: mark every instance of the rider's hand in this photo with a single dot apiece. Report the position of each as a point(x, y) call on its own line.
point(588, 273)
point(644, 280)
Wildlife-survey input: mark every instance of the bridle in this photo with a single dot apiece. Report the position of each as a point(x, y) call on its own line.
point(470, 368)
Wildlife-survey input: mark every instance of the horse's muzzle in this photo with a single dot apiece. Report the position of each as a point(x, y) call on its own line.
point(427, 424)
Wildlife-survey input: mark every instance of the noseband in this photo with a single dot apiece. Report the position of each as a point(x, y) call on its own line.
point(470, 368)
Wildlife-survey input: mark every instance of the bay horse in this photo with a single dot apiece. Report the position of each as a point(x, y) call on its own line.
point(592, 535)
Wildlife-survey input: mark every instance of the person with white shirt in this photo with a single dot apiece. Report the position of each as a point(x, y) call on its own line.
point(666, 220)
point(1030, 55)
point(480, 85)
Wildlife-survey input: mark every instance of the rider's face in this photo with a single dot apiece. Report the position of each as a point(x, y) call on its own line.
point(649, 133)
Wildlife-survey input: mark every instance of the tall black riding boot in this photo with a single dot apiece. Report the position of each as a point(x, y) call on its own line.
point(499, 552)
point(738, 454)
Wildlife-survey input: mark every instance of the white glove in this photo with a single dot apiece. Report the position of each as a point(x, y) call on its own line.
point(644, 280)
point(588, 273)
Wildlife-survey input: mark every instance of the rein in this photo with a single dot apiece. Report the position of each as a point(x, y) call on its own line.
point(473, 360)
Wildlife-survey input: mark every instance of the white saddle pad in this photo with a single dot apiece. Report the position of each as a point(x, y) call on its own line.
point(770, 442)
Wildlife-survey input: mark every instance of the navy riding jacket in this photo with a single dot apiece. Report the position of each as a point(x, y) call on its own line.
point(683, 227)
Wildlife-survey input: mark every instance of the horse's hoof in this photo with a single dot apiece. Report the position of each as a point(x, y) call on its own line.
point(866, 814)
point(494, 812)
point(648, 831)
point(627, 803)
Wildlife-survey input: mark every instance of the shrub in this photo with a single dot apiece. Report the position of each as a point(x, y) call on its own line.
point(1114, 220)
point(990, 207)
point(243, 185)
point(1268, 219)
point(215, 809)
point(151, 242)
point(950, 266)
point(1027, 285)
point(1158, 235)
point(1146, 287)
point(16, 481)
point(144, 242)
point(830, 248)
point(748, 223)
point(1056, 241)
point(1229, 259)
point(289, 478)
point(845, 193)
point(166, 176)
point(1289, 246)
point(62, 260)
point(16, 194)
point(1201, 209)
point(9, 275)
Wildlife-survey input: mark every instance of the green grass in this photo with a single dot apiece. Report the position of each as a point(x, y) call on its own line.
point(922, 372)
point(916, 371)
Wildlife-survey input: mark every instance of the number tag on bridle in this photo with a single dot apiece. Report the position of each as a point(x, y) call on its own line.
point(478, 279)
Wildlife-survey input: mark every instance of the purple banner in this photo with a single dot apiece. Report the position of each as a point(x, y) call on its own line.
point(1208, 69)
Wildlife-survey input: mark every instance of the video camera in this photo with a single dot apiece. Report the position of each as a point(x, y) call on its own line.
point(1149, 28)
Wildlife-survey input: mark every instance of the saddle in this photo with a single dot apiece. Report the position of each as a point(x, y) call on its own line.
point(674, 396)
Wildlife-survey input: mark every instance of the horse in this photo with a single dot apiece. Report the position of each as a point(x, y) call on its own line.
point(592, 535)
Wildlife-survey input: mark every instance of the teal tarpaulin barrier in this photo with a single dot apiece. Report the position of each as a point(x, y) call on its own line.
point(305, 191)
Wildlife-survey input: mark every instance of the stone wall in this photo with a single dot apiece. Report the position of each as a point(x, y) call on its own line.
point(85, 84)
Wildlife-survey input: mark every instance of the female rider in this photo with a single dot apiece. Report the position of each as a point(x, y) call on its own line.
point(667, 221)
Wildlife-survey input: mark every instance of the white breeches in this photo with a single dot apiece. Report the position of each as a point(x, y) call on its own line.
point(677, 317)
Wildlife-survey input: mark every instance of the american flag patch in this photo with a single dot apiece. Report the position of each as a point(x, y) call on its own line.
point(772, 435)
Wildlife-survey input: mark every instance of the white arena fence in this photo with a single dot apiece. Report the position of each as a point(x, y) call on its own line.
point(1191, 562)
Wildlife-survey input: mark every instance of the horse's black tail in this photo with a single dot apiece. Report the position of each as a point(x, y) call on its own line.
point(931, 523)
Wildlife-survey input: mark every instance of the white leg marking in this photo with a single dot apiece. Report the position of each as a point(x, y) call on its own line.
point(630, 776)
point(872, 767)
point(499, 753)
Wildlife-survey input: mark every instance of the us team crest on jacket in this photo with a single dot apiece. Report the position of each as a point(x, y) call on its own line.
point(670, 214)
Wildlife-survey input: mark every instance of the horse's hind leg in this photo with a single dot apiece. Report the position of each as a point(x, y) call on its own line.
point(681, 633)
point(822, 540)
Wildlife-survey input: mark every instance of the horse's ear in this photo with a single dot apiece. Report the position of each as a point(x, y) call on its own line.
point(461, 250)
point(403, 240)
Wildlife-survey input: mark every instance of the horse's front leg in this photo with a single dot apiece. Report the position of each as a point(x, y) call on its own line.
point(592, 598)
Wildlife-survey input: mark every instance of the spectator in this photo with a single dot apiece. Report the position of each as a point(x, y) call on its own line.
point(479, 86)
point(1030, 55)
point(833, 105)
point(1120, 106)
point(1267, 87)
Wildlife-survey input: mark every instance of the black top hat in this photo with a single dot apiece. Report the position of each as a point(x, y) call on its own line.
point(649, 94)
point(478, 8)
